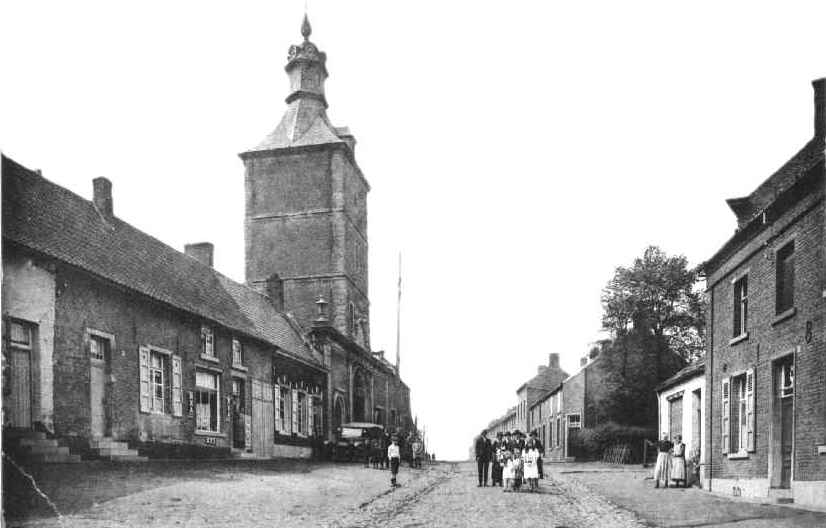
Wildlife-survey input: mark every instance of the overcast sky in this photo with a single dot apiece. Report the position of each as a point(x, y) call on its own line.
point(517, 151)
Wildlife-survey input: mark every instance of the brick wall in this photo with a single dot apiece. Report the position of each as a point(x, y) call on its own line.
point(768, 339)
point(134, 321)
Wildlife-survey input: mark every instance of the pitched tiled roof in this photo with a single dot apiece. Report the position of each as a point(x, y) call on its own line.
point(54, 221)
point(697, 368)
point(749, 206)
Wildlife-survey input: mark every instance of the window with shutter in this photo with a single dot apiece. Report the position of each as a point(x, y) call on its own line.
point(295, 411)
point(726, 411)
point(750, 414)
point(143, 358)
point(276, 394)
point(177, 396)
point(310, 416)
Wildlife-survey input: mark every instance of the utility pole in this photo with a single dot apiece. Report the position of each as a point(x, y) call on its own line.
point(399, 318)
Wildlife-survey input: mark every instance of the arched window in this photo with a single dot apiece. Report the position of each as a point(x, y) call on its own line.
point(351, 318)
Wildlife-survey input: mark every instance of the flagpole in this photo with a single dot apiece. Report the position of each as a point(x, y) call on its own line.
point(399, 318)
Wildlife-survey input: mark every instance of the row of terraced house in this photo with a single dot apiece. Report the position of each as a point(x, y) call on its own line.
point(116, 345)
point(753, 410)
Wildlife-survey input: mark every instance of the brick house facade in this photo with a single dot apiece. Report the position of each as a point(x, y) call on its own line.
point(133, 341)
point(766, 357)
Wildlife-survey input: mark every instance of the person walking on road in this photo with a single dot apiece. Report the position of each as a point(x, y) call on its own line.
point(482, 450)
point(662, 471)
point(394, 456)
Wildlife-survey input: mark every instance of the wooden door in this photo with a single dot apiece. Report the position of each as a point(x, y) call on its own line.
point(238, 412)
point(21, 388)
point(96, 393)
point(786, 439)
point(696, 420)
point(262, 419)
point(675, 418)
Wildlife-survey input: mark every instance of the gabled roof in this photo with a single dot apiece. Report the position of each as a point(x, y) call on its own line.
point(547, 380)
point(56, 222)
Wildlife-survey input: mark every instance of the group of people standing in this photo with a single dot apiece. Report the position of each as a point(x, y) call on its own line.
point(513, 459)
point(670, 462)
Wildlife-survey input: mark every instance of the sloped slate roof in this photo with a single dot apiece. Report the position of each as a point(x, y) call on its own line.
point(697, 368)
point(52, 220)
point(749, 206)
point(303, 124)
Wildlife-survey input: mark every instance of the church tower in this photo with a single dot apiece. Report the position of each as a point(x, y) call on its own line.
point(306, 207)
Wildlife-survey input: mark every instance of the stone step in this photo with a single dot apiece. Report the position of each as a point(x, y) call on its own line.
point(107, 442)
point(126, 458)
point(37, 442)
point(52, 458)
point(46, 449)
point(116, 451)
point(23, 433)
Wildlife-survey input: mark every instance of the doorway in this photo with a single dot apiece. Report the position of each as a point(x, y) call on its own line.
point(675, 417)
point(19, 338)
point(238, 395)
point(99, 357)
point(783, 422)
point(696, 421)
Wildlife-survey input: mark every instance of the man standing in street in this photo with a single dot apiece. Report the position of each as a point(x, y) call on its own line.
point(394, 456)
point(482, 449)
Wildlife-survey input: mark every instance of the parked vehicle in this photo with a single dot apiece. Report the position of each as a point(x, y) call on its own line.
point(354, 440)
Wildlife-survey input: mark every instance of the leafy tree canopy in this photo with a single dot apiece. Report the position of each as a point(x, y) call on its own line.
point(659, 296)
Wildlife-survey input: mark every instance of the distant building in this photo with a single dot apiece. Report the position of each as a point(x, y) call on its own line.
point(547, 378)
point(766, 353)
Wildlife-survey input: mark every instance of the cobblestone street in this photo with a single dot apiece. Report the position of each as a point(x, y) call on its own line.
point(279, 493)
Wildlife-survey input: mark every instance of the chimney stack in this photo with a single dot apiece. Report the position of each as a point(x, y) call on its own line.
point(541, 369)
point(202, 252)
point(102, 195)
point(819, 86)
point(553, 360)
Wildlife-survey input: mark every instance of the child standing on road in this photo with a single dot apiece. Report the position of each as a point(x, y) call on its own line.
point(518, 470)
point(507, 471)
point(394, 457)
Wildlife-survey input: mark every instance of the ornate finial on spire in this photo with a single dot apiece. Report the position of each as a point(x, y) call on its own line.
point(306, 29)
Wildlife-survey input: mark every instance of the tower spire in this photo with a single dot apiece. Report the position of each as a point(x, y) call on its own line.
point(306, 28)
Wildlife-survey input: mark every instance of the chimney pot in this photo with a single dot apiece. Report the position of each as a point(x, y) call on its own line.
point(541, 369)
point(553, 360)
point(202, 252)
point(102, 195)
point(819, 86)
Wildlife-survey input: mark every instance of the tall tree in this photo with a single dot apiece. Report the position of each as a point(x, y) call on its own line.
point(657, 296)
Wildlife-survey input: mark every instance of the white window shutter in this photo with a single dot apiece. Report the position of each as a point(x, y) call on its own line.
point(750, 413)
point(726, 413)
point(143, 359)
point(177, 397)
point(309, 415)
point(295, 411)
point(276, 398)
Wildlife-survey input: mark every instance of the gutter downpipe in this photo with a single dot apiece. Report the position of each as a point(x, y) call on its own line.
point(710, 386)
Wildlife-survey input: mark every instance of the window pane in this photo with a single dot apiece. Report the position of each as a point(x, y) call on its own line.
point(206, 380)
point(20, 334)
